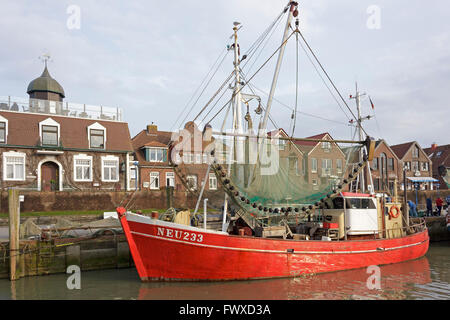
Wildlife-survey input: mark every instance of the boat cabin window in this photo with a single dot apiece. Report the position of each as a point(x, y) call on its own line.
point(338, 203)
point(358, 203)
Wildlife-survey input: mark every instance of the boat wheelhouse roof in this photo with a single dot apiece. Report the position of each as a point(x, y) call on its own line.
point(356, 195)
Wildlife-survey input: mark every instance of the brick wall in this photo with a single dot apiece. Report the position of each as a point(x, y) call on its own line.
point(107, 201)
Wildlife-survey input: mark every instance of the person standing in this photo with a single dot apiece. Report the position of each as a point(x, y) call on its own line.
point(439, 204)
point(429, 207)
point(412, 209)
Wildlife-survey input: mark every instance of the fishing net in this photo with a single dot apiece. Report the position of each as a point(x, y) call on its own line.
point(284, 176)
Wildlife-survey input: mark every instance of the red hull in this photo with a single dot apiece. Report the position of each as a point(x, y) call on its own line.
point(168, 251)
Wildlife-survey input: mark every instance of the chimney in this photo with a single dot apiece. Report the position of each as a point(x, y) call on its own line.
point(152, 128)
point(433, 146)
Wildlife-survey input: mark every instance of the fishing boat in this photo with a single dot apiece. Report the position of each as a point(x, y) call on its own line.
point(275, 223)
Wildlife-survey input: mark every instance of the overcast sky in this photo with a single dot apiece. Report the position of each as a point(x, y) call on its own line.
point(149, 57)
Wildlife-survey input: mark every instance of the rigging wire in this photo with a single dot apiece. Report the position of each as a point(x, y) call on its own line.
point(296, 84)
point(272, 28)
point(323, 80)
point(331, 81)
point(245, 83)
point(201, 84)
point(299, 112)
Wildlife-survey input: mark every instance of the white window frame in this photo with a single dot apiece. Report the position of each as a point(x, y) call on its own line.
point(170, 176)
point(5, 163)
point(339, 170)
point(195, 179)
point(424, 166)
point(110, 158)
point(150, 149)
point(212, 181)
point(314, 161)
point(82, 157)
point(326, 146)
point(198, 158)
point(327, 168)
point(52, 123)
point(96, 126)
point(155, 181)
point(415, 152)
point(2, 119)
point(186, 157)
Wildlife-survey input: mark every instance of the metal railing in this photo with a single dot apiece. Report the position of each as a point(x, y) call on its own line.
point(62, 108)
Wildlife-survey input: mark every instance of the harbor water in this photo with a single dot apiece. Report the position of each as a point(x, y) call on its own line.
point(427, 278)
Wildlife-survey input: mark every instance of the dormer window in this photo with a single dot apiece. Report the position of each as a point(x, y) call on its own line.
point(2, 132)
point(97, 139)
point(49, 135)
point(97, 136)
point(49, 131)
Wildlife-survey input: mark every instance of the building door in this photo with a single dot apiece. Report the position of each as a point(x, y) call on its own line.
point(49, 176)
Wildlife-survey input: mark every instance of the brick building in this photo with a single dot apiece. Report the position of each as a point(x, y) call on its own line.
point(440, 157)
point(324, 162)
point(416, 163)
point(47, 144)
point(155, 152)
point(384, 168)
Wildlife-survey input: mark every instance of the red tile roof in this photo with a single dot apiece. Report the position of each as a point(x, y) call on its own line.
point(312, 143)
point(23, 130)
point(401, 149)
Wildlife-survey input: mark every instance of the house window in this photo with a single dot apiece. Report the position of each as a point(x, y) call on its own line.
point(281, 144)
point(2, 132)
point(293, 165)
point(326, 146)
point(49, 132)
point(97, 139)
point(198, 158)
point(376, 184)
point(82, 168)
point(156, 154)
point(390, 163)
point(326, 167)
point(170, 179)
point(408, 166)
point(49, 135)
point(338, 165)
point(14, 166)
point(375, 164)
point(415, 152)
point(205, 158)
point(313, 165)
point(110, 169)
point(212, 181)
point(188, 157)
point(314, 183)
point(424, 166)
point(192, 182)
point(154, 180)
point(415, 166)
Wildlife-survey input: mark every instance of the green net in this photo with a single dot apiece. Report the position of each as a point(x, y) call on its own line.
point(283, 175)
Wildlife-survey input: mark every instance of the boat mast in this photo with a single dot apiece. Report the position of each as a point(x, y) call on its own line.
point(237, 150)
point(292, 12)
point(361, 178)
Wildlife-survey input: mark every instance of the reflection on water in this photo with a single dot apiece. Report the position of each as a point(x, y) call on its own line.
point(425, 278)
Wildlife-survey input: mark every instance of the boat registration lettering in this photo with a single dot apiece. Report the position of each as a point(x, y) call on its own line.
point(178, 234)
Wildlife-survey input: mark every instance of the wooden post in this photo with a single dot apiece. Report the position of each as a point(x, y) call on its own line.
point(14, 221)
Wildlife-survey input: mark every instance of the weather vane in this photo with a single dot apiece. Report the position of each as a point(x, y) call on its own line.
point(45, 57)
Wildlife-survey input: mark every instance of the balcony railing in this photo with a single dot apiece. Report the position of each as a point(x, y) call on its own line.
point(69, 109)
